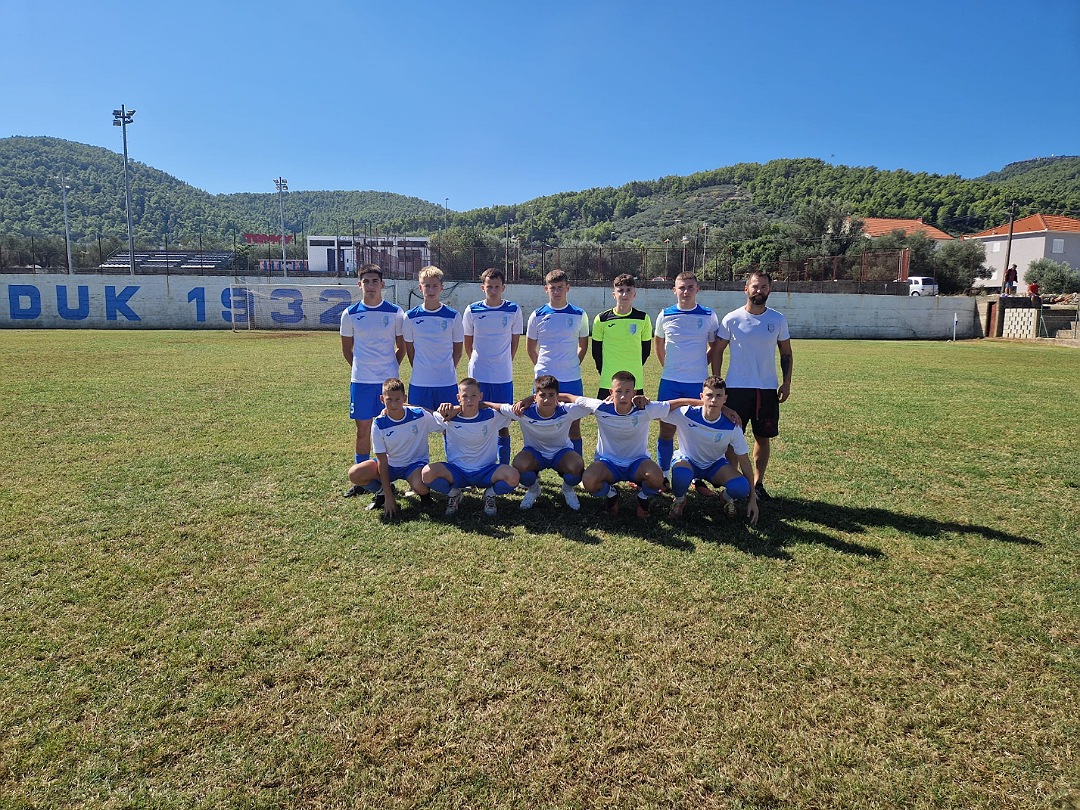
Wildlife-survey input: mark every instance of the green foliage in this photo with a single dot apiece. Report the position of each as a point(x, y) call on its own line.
point(958, 263)
point(1053, 277)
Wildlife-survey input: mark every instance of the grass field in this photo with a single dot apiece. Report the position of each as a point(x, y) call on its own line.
point(193, 616)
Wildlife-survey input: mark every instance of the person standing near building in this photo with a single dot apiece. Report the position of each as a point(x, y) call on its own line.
point(433, 343)
point(621, 336)
point(683, 339)
point(372, 344)
point(755, 333)
point(557, 338)
point(1009, 286)
point(492, 330)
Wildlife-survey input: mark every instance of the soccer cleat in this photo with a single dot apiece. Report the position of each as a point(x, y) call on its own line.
point(531, 494)
point(453, 502)
point(570, 497)
point(730, 511)
point(378, 502)
point(355, 490)
point(678, 506)
point(762, 493)
point(643, 509)
point(611, 504)
point(703, 489)
point(426, 499)
point(489, 502)
point(666, 486)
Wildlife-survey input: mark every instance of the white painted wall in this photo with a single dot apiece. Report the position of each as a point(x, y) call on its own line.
point(215, 302)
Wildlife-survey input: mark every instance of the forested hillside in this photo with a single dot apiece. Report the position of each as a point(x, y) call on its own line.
point(783, 209)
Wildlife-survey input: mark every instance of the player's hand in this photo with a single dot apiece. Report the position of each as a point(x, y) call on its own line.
point(784, 391)
point(731, 415)
point(522, 404)
point(640, 401)
point(448, 410)
point(752, 510)
point(389, 506)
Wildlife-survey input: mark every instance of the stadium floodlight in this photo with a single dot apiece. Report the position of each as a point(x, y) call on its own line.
point(67, 227)
point(282, 186)
point(121, 118)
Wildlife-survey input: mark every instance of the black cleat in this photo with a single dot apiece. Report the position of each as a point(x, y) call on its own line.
point(762, 493)
point(355, 490)
point(378, 502)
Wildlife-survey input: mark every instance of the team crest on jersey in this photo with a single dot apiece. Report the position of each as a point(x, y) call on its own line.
point(444, 324)
point(772, 327)
point(634, 420)
point(700, 321)
point(414, 430)
point(505, 321)
point(569, 321)
point(385, 320)
point(633, 329)
point(484, 430)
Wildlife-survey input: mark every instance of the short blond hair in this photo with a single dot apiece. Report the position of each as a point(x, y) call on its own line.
point(431, 271)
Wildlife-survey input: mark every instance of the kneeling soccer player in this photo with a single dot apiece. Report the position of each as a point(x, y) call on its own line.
point(705, 434)
point(622, 452)
point(472, 451)
point(399, 438)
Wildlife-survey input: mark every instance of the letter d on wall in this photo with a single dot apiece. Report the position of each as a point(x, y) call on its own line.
point(32, 308)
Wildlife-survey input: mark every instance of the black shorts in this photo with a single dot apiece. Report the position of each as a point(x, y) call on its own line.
point(759, 407)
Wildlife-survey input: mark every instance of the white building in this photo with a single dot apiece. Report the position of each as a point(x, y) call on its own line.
point(398, 256)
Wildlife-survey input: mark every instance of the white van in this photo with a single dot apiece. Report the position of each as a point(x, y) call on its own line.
point(922, 285)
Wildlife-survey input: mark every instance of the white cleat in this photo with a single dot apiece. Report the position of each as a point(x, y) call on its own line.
point(489, 502)
point(570, 497)
point(453, 503)
point(531, 494)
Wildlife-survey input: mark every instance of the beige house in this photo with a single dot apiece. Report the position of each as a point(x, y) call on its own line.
point(1038, 236)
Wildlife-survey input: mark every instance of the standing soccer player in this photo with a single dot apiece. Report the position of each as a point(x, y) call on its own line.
point(684, 337)
point(557, 338)
point(492, 330)
point(621, 336)
point(372, 344)
point(755, 333)
point(705, 435)
point(433, 342)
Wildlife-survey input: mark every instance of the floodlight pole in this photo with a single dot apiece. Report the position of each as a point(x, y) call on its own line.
point(121, 118)
point(67, 227)
point(282, 186)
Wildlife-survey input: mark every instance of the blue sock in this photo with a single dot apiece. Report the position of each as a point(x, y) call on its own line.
point(528, 478)
point(374, 486)
point(502, 488)
point(604, 491)
point(441, 485)
point(504, 449)
point(577, 445)
point(665, 449)
point(645, 492)
point(360, 458)
point(738, 487)
point(571, 480)
point(681, 478)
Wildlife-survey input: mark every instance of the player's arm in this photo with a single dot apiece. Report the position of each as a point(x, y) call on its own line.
point(514, 340)
point(582, 349)
point(389, 503)
point(598, 354)
point(646, 350)
point(748, 474)
point(716, 355)
point(448, 410)
point(531, 348)
point(732, 416)
point(457, 352)
point(467, 343)
point(410, 351)
point(682, 402)
point(399, 352)
point(347, 348)
point(660, 344)
point(784, 391)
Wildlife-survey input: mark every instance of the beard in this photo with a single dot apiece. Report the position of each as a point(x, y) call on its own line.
point(757, 299)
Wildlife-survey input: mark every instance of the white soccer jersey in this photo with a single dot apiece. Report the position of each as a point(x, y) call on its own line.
point(702, 441)
point(557, 332)
point(404, 441)
point(491, 329)
point(473, 444)
point(374, 331)
point(547, 435)
point(623, 438)
point(433, 335)
point(752, 343)
point(687, 335)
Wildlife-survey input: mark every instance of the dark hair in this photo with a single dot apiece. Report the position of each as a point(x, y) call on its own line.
point(369, 268)
point(715, 382)
point(493, 272)
point(760, 274)
point(624, 280)
point(624, 376)
point(468, 381)
point(556, 276)
point(546, 381)
point(392, 384)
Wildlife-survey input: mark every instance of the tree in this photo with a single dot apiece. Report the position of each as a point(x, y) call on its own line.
point(1053, 277)
point(958, 263)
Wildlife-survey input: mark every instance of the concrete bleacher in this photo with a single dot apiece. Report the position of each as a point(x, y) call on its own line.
point(183, 261)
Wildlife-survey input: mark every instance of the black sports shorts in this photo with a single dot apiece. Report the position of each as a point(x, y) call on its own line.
point(759, 407)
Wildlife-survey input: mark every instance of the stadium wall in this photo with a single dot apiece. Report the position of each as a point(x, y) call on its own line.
point(214, 302)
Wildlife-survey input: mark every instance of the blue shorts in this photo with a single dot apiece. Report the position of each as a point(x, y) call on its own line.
point(498, 393)
point(707, 473)
point(472, 478)
point(364, 402)
point(572, 387)
point(432, 396)
point(403, 473)
point(622, 472)
point(670, 389)
point(548, 463)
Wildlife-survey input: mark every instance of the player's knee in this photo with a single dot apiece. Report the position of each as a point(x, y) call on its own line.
point(738, 487)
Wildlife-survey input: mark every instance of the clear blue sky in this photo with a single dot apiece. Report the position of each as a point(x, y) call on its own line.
point(499, 102)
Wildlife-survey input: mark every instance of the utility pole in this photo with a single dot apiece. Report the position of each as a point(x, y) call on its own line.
point(1008, 244)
